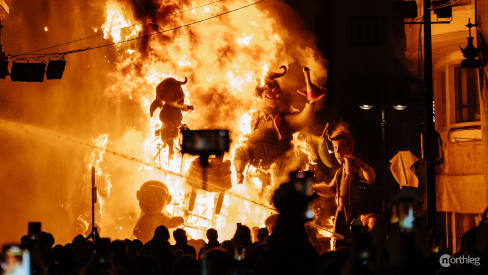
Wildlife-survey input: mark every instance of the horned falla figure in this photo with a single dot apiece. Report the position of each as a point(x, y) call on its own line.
point(171, 99)
point(269, 146)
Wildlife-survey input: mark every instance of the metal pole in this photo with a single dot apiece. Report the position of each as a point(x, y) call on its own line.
point(2, 54)
point(429, 138)
point(383, 132)
point(94, 200)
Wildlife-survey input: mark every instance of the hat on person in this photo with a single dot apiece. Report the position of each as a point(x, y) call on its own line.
point(342, 131)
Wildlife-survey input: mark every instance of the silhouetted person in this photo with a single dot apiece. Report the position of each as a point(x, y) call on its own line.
point(213, 242)
point(146, 265)
point(263, 233)
point(160, 249)
point(62, 261)
point(181, 246)
point(290, 251)
point(242, 237)
point(118, 257)
point(186, 265)
point(258, 249)
point(218, 262)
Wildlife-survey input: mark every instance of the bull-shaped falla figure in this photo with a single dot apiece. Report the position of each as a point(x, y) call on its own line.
point(171, 99)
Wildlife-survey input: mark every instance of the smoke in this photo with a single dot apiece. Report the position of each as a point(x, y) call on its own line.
point(155, 15)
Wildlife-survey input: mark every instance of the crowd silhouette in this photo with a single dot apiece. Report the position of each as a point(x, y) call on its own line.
point(284, 248)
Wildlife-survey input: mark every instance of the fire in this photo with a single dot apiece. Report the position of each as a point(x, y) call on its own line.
point(103, 183)
point(224, 59)
point(117, 22)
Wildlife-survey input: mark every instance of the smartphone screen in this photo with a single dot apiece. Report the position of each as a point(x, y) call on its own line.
point(239, 253)
point(205, 142)
point(16, 260)
point(407, 219)
point(303, 181)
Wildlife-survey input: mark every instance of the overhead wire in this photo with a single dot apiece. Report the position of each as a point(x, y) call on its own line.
point(144, 36)
point(34, 52)
point(449, 3)
point(34, 131)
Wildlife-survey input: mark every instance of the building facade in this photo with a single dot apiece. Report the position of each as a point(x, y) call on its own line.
point(460, 186)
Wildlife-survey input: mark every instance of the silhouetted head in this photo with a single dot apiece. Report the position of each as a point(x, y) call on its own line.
point(292, 203)
point(270, 222)
point(263, 233)
point(212, 235)
point(119, 249)
point(186, 265)
point(47, 240)
point(138, 243)
point(161, 233)
point(180, 236)
point(79, 239)
point(242, 237)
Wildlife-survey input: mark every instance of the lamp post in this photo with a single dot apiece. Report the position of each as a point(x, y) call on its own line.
point(429, 138)
point(471, 68)
point(383, 121)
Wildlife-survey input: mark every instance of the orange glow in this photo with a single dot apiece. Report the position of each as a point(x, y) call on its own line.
point(224, 59)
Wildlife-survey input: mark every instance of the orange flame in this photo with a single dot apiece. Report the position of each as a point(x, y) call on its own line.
point(224, 59)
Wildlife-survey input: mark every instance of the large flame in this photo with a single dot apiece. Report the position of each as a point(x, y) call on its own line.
point(224, 59)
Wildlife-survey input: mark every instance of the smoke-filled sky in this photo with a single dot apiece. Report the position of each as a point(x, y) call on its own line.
point(45, 127)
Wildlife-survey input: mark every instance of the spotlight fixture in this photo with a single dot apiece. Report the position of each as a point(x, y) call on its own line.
point(3, 68)
point(28, 72)
point(55, 69)
point(399, 107)
point(446, 8)
point(366, 107)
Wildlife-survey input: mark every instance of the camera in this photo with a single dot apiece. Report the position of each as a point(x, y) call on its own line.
point(205, 142)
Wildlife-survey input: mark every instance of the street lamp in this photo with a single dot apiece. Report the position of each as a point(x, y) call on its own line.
point(470, 52)
point(366, 107)
point(383, 108)
point(399, 107)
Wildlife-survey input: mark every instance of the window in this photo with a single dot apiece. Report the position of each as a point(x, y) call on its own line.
point(467, 106)
point(368, 30)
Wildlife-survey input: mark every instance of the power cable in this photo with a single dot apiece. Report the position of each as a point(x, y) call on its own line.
point(32, 52)
point(450, 3)
point(143, 36)
point(50, 135)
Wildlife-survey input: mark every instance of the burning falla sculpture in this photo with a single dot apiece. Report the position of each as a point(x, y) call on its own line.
point(268, 147)
point(153, 196)
point(218, 180)
point(171, 99)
